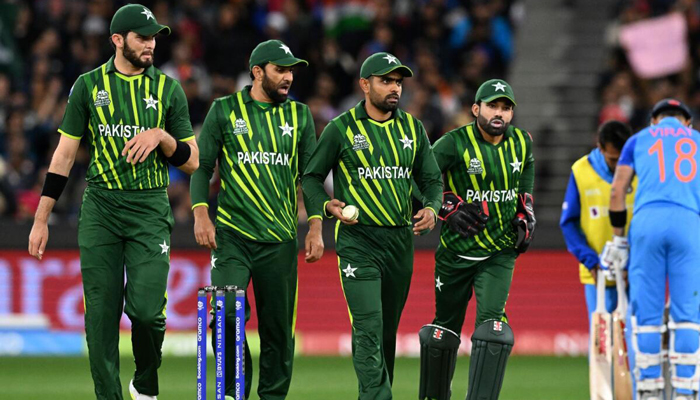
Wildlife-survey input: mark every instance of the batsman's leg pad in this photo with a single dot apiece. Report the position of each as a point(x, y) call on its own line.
point(646, 360)
point(438, 358)
point(688, 384)
point(492, 343)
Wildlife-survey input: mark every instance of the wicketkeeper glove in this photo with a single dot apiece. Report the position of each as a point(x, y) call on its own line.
point(524, 222)
point(466, 219)
point(615, 255)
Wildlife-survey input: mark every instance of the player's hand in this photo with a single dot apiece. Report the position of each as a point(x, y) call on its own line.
point(204, 231)
point(335, 208)
point(426, 221)
point(314, 241)
point(466, 219)
point(38, 238)
point(140, 146)
point(524, 222)
point(615, 254)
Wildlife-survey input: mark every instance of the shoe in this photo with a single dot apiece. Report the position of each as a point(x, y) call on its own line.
point(135, 395)
point(651, 395)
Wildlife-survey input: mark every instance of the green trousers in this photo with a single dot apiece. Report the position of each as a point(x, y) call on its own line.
point(272, 267)
point(375, 264)
point(456, 279)
point(117, 231)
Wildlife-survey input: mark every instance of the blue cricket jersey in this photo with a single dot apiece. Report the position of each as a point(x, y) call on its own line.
point(665, 158)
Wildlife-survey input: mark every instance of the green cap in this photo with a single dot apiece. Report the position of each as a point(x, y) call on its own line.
point(137, 18)
point(379, 64)
point(274, 52)
point(494, 89)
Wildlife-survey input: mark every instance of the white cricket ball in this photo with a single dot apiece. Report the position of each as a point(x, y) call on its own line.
point(351, 212)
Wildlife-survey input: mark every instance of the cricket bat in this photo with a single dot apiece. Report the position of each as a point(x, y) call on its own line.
point(622, 378)
point(600, 351)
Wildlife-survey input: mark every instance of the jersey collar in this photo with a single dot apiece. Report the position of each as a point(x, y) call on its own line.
point(361, 113)
point(149, 72)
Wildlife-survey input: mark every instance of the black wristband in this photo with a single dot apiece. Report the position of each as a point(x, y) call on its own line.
point(181, 155)
point(618, 219)
point(54, 185)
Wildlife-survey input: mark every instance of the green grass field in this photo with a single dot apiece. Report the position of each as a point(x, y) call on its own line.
point(315, 378)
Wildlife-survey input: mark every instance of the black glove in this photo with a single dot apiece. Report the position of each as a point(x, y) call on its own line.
point(524, 222)
point(466, 219)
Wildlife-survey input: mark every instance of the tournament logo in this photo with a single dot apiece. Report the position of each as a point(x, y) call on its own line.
point(360, 143)
point(241, 127)
point(437, 334)
point(475, 167)
point(102, 99)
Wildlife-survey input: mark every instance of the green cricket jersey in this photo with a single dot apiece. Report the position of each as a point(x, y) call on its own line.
point(372, 164)
point(262, 150)
point(112, 108)
point(477, 170)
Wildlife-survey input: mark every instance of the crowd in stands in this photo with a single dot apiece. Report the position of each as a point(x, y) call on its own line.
point(626, 92)
point(452, 45)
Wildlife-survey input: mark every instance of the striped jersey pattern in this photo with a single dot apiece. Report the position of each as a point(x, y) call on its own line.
point(109, 109)
point(261, 151)
point(479, 171)
point(373, 163)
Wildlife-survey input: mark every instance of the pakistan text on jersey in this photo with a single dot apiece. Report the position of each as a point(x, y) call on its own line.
point(388, 172)
point(120, 130)
point(491, 195)
point(263, 157)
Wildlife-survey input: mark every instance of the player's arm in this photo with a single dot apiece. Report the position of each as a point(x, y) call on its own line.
point(428, 177)
point(325, 156)
point(570, 224)
point(624, 173)
point(210, 144)
point(176, 141)
point(524, 221)
point(56, 179)
point(74, 123)
point(314, 241)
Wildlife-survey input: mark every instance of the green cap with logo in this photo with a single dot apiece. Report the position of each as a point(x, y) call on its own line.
point(379, 64)
point(273, 52)
point(494, 89)
point(137, 18)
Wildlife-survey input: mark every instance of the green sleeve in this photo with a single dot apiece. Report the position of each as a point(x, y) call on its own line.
point(445, 152)
point(307, 144)
point(177, 119)
point(210, 142)
point(527, 178)
point(77, 114)
point(323, 159)
point(426, 173)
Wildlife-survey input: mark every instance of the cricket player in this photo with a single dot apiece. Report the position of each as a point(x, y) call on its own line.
point(488, 220)
point(135, 121)
point(664, 247)
point(374, 149)
point(584, 217)
point(262, 142)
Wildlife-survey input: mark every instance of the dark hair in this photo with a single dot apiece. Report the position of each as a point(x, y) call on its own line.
point(672, 112)
point(252, 77)
point(615, 133)
point(122, 34)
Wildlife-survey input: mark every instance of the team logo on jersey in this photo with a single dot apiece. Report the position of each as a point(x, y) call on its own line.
point(102, 99)
point(241, 127)
point(360, 143)
point(475, 167)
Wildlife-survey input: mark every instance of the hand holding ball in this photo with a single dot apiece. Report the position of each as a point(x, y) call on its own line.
point(351, 212)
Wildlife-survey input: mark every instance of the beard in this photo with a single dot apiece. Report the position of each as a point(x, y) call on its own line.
point(490, 129)
point(385, 105)
point(134, 59)
point(272, 90)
